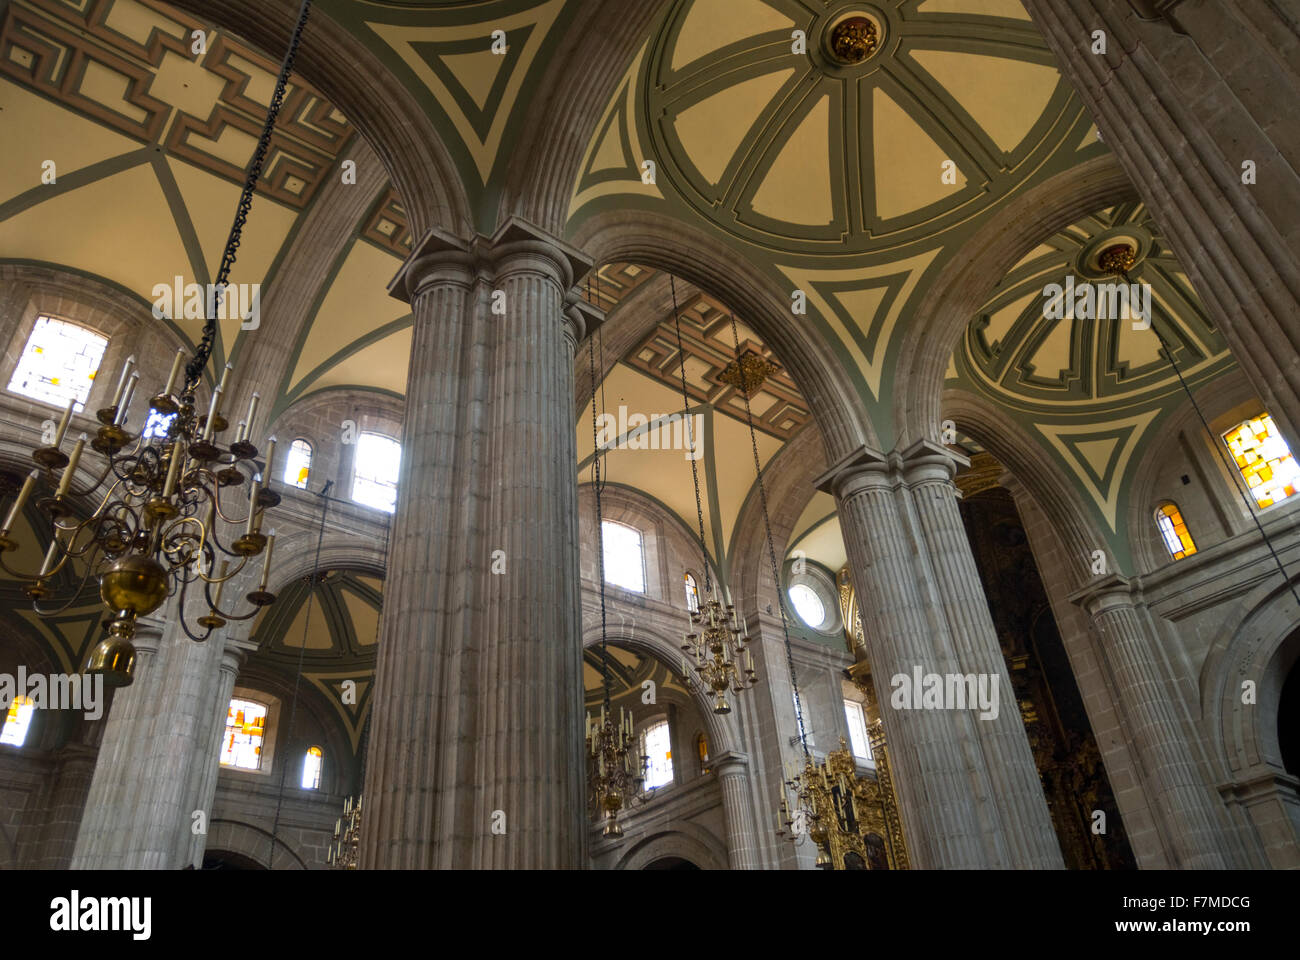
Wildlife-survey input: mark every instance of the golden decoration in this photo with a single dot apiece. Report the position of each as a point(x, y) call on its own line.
point(854, 39)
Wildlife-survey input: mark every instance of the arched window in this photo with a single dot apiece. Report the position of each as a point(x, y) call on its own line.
point(702, 748)
point(859, 743)
point(624, 556)
point(157, 424)
point(58, 363)
point(17, 721)
point(374, 475)
point(692, 593)
point(311, 769)
point(1265, 461)
point(297, 466)
point(808, 605)
point(245, 729)
point(656, 745)
point(1178, 540)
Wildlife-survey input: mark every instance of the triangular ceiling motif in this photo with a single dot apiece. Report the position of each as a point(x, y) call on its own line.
point(1099, 454)
point(477, 89)
point(333, 685)
point(862, 306)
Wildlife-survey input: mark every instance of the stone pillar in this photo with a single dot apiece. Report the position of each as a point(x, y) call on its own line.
point(234, 652)
point(733, 778)
point(1185, 94)
point(968, 787)
point(1272, 803)
point(477, 713)
point(65, 806)
point(139, 809)
point(1192, 818)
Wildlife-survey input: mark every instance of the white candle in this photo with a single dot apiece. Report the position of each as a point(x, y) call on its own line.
point(127, 397)
point(51, 556)
point(63, 424)
point(212, 413)
point(121, 383)
point(221, 583)
point(225, 378)
point(270, 459)
point(252, 411)
point(176, 372)
point(169, 485)
point(266, 559)
point(253, 520)
point(65, 482)
point(23, 494)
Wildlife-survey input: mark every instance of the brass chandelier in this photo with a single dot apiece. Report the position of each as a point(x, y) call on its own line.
point(615, 773)
point(715, 645)
point(154, 531)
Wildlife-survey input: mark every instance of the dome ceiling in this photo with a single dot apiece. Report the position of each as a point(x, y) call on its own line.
point(1093, 392)
point(854, 183)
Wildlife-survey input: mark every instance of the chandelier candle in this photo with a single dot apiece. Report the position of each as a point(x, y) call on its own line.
point(176, 372)
point(120, 418)
point(122, 381)
point(65, 483)
point(16, 510)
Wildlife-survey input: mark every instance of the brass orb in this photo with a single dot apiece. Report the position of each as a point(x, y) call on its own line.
point(854, 39)
point(136, 584)
point(114, 658)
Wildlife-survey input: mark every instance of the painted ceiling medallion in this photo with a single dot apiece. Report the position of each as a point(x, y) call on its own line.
point(854, 39)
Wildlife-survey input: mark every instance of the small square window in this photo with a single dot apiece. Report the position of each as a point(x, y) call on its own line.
point(58, 363)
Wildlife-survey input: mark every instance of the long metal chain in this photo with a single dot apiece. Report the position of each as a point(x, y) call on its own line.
point(600, 527)
point(771, 550)
point(194, 369)
point(686, 415)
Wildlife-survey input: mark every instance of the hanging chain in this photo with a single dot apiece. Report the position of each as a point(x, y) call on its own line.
point(600, 528)
point(690, 439)
point(767, 529)
point(1216, 442)
point(194, 369)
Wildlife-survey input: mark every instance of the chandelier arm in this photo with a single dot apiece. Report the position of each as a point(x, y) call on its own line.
point(767, 529)
point(72, 598)
point(194, 369)
point(686, 417)
point(81, 494)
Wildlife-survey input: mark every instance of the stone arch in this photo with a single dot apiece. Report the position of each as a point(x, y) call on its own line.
point(684, 250)
point(379, 105)
point(966, 282)
point(686, 840)
point(1014, 448)
point(1263, 649)
point(252, 843)
point(338, 551)
point(654, 644)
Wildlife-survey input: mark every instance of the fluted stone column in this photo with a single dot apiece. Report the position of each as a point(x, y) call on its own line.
point(733, 778)
point(970, 797)
point(929, 470)
point(1192, 815)
point(475, 754)
point(234, 652)
point(1186, 94)
point(141, 802)
point(66, 803)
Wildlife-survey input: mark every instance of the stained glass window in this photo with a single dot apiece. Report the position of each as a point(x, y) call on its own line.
point(157, 424)
point(297, 466)
point(17, 721)
point(245, 729)
point(58, 363)
point(374, 481)
point(692, 594)
point(702, 747)
point(1173, 529)
point(311, 769)
point(1264, 459)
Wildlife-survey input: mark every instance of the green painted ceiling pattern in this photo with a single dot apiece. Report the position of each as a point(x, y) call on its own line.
point(444, 53)
point(336, 641)
point(1092, 392)
point(832, 177)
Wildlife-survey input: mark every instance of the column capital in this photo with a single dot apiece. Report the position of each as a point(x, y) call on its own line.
point(517, 244)
point(867, 467)
point(1107, 592)
point(730, 764)
point(582, 318)
point(235, 651)
point(437, 257)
